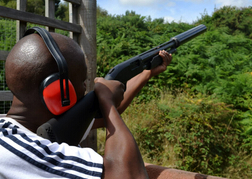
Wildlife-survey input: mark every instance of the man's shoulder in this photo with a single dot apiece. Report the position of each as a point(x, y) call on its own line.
point(29, 149)
point(7, 122)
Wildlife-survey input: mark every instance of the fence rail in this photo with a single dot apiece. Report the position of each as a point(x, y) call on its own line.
point(77, 2)
point(6, 96)
point(38, 19)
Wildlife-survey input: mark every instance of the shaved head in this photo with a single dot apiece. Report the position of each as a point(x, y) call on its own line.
point(30, 62)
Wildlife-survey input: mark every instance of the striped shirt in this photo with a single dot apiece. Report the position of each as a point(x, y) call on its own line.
point(23, 154)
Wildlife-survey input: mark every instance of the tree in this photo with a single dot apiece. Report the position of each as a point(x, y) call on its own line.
point(62, 11)
point(101, 12)
point(38, 7)
point(8, 3)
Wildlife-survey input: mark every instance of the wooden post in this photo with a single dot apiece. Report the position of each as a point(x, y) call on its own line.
point(50, 12)
point(20, 25)
point(87, 41)
point(73, 18)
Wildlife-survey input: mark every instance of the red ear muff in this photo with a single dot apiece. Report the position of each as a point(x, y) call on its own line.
point(51, 94)
point(56, 90)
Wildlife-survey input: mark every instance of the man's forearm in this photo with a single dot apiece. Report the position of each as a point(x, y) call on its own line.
point(134, 85)
point(122, 155)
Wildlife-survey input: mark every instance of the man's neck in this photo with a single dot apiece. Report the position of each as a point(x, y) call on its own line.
point(30, 116)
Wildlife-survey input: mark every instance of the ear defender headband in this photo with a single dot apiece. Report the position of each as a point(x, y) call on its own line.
point(56, 90)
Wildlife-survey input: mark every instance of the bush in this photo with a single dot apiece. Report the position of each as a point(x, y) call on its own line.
point(195, 133)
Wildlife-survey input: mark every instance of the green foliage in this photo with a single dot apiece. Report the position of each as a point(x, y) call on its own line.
point(7, 34)
point(209, 64)
point(62, 11)
point(194, 133)
point(208, 131)
point(203, 132)
point(100, 12)
point(36, 6)
point(8, 3)
point(235, 20)
point(201, 65)
point(119, 38)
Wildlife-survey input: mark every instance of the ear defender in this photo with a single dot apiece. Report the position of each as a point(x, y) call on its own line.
point(50, 93)
point(56, 91)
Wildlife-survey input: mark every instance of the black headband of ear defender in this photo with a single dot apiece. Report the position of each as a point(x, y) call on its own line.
point(59, 58)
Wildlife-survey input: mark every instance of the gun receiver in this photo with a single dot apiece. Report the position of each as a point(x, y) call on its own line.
point(71, 125)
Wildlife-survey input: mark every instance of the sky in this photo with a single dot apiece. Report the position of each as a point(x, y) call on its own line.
point(171, 10)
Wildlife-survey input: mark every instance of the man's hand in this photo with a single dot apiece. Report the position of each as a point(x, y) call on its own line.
point(109, 91)
point(167, 58)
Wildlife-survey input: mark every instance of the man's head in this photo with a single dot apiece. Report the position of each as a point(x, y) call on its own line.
point(30, 62)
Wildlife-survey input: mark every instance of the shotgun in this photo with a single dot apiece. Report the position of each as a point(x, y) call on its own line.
point(70, 126)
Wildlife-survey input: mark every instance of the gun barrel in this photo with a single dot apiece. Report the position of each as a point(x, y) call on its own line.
point(180, 39)
point(188, 35)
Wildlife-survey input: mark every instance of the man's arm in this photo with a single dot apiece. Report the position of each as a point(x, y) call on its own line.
point(122, 156)
point(135, 84)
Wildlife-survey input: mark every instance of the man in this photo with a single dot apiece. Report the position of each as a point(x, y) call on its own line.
point(25, 155)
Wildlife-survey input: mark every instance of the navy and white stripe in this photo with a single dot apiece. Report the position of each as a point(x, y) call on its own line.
point(50, 157)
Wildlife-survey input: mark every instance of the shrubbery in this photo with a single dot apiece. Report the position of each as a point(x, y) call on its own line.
point(205, 127)
point(194, 133)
